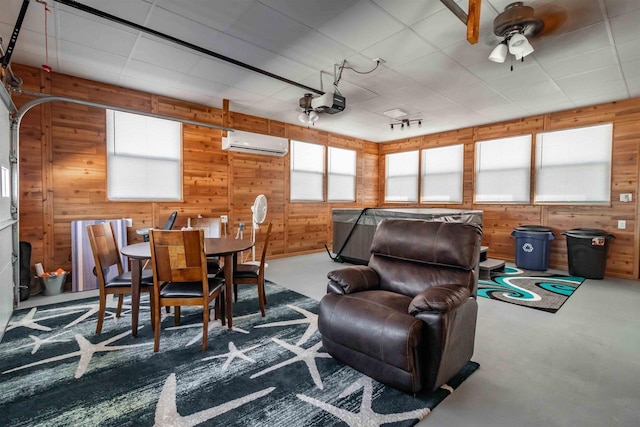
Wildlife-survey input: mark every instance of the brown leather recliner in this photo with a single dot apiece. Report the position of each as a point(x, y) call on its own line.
point(408, 318)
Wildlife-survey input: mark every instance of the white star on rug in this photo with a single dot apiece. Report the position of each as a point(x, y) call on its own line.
point(167, 411)
point(28, 321)
point(233, 354)
point(86, 353)
point(366, 416)
point(91, 309)
point(213, 325)
point(310, 318)
point(38, 342)
point(307, 355)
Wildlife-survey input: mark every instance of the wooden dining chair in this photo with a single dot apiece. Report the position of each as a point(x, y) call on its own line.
point(180, 278)
point(107, 254)
point(251, 274)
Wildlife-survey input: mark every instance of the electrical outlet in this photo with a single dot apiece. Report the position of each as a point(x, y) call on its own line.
point(625, 197)
point(224, 219)
point(622, 224)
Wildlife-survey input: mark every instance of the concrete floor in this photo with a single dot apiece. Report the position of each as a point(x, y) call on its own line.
point(577, 367)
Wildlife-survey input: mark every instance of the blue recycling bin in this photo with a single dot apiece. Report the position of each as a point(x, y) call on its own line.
point(533, 246)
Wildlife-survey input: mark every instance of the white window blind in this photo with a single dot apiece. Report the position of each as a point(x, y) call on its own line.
point(574, 165)
point(503, 170)
point(143, 157)
point(307, 171)
point(442, 169)
point(341, 177)
point(402, 177)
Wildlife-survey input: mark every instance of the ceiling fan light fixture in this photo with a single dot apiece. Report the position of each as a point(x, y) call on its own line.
point(499, 53)
point(518, 43)
point(302, 117)
point(313, 116)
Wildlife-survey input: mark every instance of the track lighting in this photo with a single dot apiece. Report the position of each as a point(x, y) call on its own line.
point(406, 122)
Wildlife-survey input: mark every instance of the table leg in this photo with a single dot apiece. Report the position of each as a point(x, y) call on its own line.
point(228, 288)
point(136, 278)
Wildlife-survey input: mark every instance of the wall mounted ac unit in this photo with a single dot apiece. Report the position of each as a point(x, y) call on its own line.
point(255, 143)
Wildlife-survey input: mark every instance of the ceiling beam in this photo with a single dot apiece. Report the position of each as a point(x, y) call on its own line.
point(471, 20)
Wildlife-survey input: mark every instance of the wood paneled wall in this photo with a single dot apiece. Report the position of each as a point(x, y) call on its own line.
point(63, 171)
point(501, 219)
point(63, 175)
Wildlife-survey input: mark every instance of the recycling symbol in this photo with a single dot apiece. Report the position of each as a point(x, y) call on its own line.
point(527, 247)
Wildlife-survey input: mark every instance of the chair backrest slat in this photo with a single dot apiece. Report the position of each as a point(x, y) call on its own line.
point(104, 247)
point(178, 256)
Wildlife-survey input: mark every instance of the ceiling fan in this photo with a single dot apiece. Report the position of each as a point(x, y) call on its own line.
point(519, 23)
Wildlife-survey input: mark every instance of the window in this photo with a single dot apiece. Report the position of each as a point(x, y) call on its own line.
point(143, 157)
point(341, 177)
point(503, 170)
point(307, 171)
point(442, 169)
point(574, 165)
point(402, 177)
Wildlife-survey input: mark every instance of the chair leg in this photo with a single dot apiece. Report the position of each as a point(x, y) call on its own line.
point(156, 327)
point(205, 326)
point(176, 315)
point(261, 298)
point(101, 310)
point(152, 307)
point(223, 308)
point(119, 308)
point(235, 292)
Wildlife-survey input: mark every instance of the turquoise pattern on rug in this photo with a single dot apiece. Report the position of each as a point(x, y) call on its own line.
point(534, 289)
point(271, 371)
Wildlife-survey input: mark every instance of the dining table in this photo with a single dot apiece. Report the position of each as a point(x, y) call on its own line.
point(225, 247)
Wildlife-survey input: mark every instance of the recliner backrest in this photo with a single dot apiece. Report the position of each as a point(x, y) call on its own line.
point(412, 255)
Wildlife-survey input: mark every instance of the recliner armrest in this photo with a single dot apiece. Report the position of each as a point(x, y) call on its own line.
point(441, 298)
point(355, 278)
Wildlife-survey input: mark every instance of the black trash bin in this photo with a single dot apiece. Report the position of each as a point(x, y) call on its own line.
point(533, 246)
point(587, 250)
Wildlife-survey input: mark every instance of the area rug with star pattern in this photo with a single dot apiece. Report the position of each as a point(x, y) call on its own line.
point(267, 371)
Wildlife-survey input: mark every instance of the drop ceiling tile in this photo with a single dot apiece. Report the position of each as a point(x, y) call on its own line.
point(400, 48)
point(316, 50)
point(631, 69)
point(378, 104)
point(593, 83)
point(267, 28)
point(387, 83)
point(354, 93)
point(441, 29)
point(410, 11)
point(262, 85)
point(626, 27)
point(203, 86)
point(240, 50)
point(134, 11)
point(311, 13)
point(101, 62)
point(634, 87)
point(183, 28)
point(550, 108)
point(33, 20)
point(30, 44)
point(95, 35)
point(628, 51)
point(550, 100)
point(581, 63)
point(287, 68)
point(361, 26)
point(476, 97)
point(543, 89)
point(438, 72)
point(519, 77)
point(217, 14)
point(219, 71)
point(620, 7)
point(150, 73)
point(549, 49)
point(609, 95)
point(164, 55)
